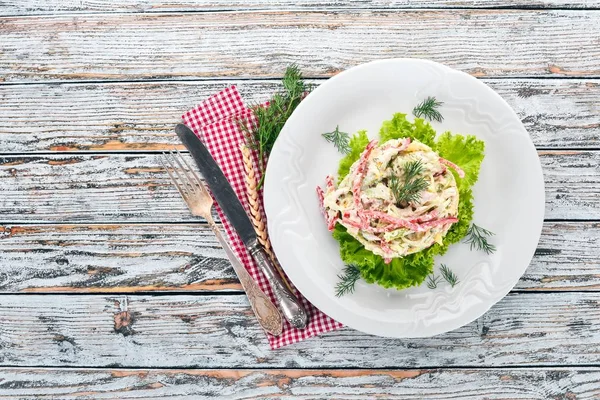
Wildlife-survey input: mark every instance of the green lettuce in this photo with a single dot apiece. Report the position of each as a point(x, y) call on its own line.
point(411, 270)
point(357, 145)
point(466, 152)
point(399, 127)
point(400, 273)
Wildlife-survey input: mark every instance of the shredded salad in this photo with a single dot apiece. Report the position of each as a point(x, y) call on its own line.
point(365, 204)
point(391, 240)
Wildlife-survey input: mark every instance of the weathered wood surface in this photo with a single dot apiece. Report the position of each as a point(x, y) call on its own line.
point(33, 7)
point(112, 225)
point(112, 258)
point(527, 329)
point(135, 188)
point(186, 257)
point(140, 116)
point(261, 44)
point(466, 384)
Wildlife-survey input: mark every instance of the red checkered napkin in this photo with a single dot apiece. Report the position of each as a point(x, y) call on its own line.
point(214, 121)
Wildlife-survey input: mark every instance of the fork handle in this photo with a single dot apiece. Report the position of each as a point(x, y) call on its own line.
point(266, 312)
point(289, 304)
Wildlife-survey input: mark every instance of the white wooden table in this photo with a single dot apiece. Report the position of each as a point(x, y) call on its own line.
point(89, 94)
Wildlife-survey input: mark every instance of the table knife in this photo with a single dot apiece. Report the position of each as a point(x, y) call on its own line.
point(223, 193)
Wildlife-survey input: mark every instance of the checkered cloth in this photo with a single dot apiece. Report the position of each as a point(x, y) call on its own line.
point(215, 122)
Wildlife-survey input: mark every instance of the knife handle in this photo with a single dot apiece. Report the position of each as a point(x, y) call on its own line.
point(288, 303)
point(266, 313)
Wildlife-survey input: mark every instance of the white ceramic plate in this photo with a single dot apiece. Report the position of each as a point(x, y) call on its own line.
point(509, 196)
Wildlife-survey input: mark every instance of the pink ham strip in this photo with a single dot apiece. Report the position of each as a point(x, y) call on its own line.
point(425, 217)
point(331, 220)
point(455, 167)
point(321, 197)
point(442, 221)
point(385, 247)
point(402, 145)
point(387, 250)
point(329, 182)
point(354, 224)
point(395, 222)
point(441, 172)
point(360, 173)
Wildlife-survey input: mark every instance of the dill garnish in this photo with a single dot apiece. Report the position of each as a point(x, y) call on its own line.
point(409, 190)
point(428, 109)
point(476, 238)
point(339, 139)
point(448, 275)
point(432, 281)
point(270, 119)
point(348, 279)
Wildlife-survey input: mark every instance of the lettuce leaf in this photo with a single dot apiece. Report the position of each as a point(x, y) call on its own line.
point(466, 152)
point(399, 127)
point(465, 216)
point(400, 273)
point(357, 144)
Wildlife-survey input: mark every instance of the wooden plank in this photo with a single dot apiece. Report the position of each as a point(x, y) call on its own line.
point(472, 384)
point(185, 257)
point(566, 200)
point(221, 332)
point(148, 46)
point(89, 188)
point(564, 259)
point(140, 116)
point(112, 258)
point(33, 7)
point(135, 188)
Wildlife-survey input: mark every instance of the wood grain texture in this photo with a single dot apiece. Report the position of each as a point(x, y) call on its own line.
point(33, 7)
point(112, 258)
point(135, 188)
point(140, 116)
point(471, 384)
point(185, 257)
point(221, 332)
point(148, 46)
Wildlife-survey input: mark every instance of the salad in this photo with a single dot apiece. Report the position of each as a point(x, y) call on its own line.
point(388, 219)
point(401, 199)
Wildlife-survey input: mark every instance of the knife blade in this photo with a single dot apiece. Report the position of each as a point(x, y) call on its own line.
point(225, 196)
point(219, 185)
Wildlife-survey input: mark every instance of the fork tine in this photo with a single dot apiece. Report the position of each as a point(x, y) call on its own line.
point(181, 190)
point(189, 181)
point(182, 178)
point(194, 174)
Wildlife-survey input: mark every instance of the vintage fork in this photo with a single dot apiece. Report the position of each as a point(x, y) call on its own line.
point(200, 203)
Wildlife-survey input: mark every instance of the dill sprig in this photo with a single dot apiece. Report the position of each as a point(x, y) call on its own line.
point(412, 169)
point(428, 109)
point(348, 279)
point(448, 275)
point(270, 119)
point(409, 190)
point(339, 139)
point(477, 239)
point(432, 281)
